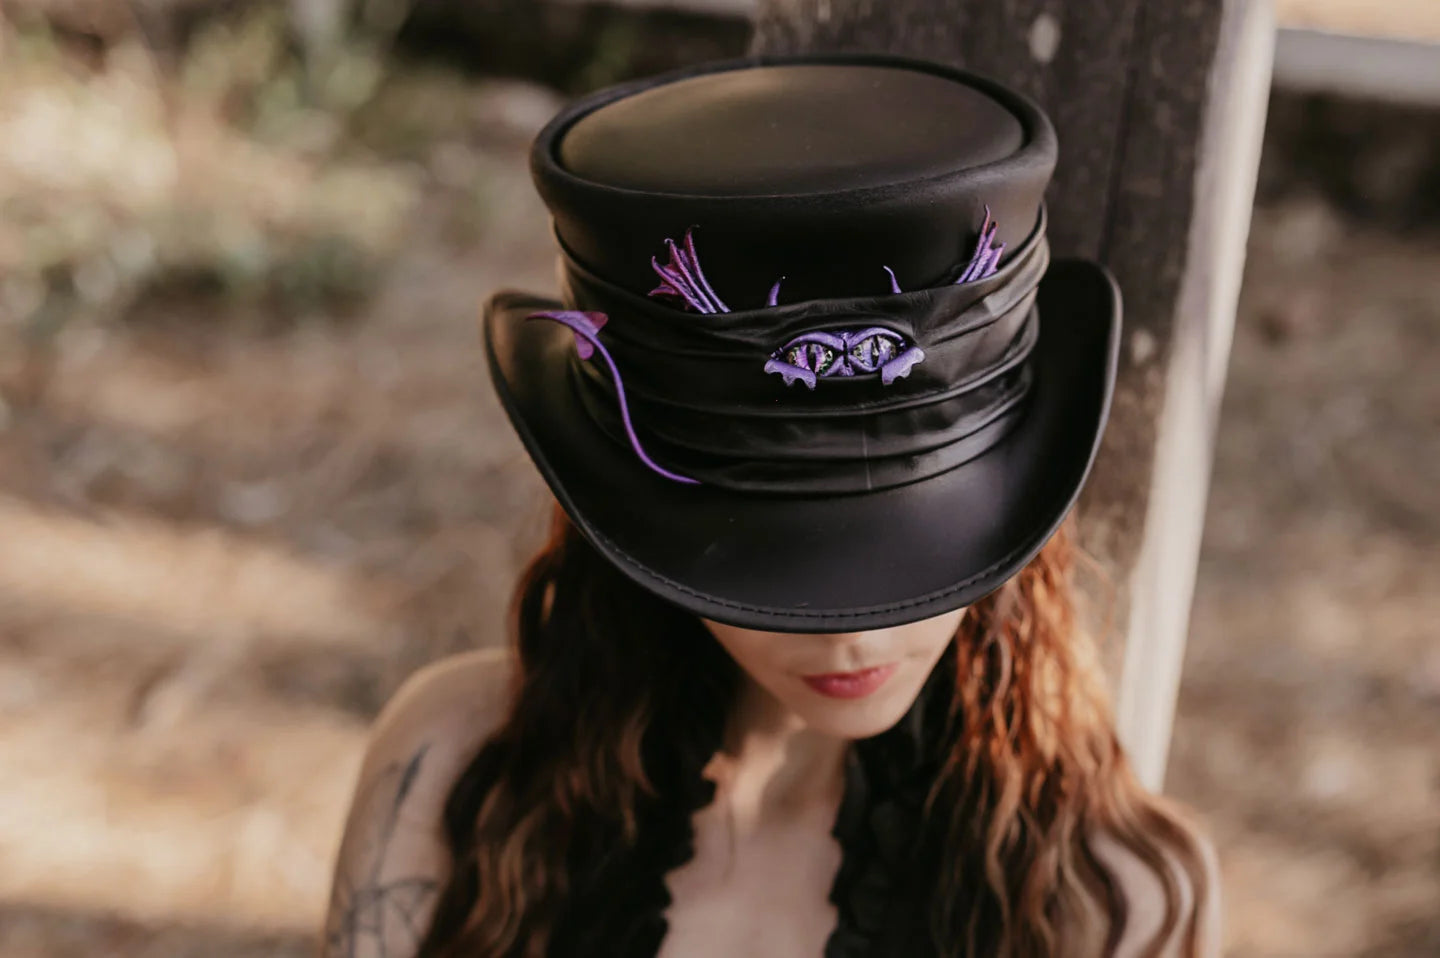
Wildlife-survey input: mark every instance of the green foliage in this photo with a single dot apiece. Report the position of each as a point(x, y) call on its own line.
point(230, 177)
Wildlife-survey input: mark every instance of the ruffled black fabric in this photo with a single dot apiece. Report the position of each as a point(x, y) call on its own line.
point(618, 896)
point(626, 892)
point(879, 892)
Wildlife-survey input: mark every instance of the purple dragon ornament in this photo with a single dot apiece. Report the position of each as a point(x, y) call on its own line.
point(586, 327)
point(811, 356)
point(821, 354)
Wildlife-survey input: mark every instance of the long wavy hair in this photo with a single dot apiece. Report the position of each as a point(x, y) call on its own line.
point(617, 693)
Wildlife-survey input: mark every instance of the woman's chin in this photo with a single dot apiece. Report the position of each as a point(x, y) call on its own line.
point(853, 706)
point(855, 718)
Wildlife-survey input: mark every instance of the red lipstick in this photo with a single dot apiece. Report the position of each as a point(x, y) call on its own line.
point(849, 685)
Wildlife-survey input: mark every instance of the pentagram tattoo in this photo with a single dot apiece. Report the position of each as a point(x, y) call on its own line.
point(373, 915)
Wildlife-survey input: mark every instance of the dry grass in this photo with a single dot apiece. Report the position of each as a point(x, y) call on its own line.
point(119, 184)
point(232, 516)
point(1311, 698)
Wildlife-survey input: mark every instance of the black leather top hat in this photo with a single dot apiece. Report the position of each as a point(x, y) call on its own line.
point(813, 370)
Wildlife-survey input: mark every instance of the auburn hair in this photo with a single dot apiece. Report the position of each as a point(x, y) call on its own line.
point(607, 675)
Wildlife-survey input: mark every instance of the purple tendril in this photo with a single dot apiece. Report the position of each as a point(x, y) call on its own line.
point(774, 296)
point(983, 262)
point(683, 278)
point(894, 283)
point(586, 327)
point(986, 258)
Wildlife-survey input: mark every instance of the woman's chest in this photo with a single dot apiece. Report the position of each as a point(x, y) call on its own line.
point(764, 894)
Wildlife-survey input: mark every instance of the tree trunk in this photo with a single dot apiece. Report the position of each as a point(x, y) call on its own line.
point(1159, 107)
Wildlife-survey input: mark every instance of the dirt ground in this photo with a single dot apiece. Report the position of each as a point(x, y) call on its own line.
point(234, 514)
point(1309, 722)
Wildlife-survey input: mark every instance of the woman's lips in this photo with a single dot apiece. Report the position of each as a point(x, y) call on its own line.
point(849, 685)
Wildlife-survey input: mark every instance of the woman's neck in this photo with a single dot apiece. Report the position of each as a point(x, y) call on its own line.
point(771, 765)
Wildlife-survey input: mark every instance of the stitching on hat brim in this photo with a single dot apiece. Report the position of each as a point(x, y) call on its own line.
point(1007, 559)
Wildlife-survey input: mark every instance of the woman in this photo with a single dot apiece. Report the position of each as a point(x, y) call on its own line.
point(798, 672)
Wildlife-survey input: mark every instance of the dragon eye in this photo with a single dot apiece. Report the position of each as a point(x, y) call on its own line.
point(874, 350)
point(844, 352)
point(816, 357)
point(816, 352)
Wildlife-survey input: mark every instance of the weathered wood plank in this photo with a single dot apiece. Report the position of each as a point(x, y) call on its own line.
point(1401, 19)
point(1378, 68)
point(1146, 102)
point(1163, 579)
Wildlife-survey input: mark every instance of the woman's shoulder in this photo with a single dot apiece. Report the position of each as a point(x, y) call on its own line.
point(440, 716)
point(456, 701)
point(393, 856)
point(1198, 895)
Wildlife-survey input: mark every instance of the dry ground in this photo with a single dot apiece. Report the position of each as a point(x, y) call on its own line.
point(1309, 726)
point(225, 537)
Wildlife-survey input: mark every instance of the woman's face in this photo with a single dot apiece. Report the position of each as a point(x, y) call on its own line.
point(851, 684)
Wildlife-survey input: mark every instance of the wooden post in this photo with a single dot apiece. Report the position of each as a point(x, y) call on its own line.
point(1159, 106)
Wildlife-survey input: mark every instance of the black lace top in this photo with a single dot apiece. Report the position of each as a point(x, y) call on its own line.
point(880, 890)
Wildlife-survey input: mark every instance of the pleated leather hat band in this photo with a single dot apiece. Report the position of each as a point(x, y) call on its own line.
point(823, 396)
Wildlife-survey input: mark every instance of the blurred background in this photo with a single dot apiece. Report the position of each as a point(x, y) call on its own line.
point(252, 473)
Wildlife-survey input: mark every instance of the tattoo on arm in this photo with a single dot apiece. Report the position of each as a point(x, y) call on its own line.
point(373, 915)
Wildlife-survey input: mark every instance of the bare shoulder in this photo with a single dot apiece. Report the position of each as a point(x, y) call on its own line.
point(445, 702)
point(393, 857)
point(1145, 893)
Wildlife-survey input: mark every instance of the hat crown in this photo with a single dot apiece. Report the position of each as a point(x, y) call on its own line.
point(791, 129)
point(826, 170)
point(864, 449)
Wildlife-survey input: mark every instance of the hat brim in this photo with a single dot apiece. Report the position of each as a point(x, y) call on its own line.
point(836, 563)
